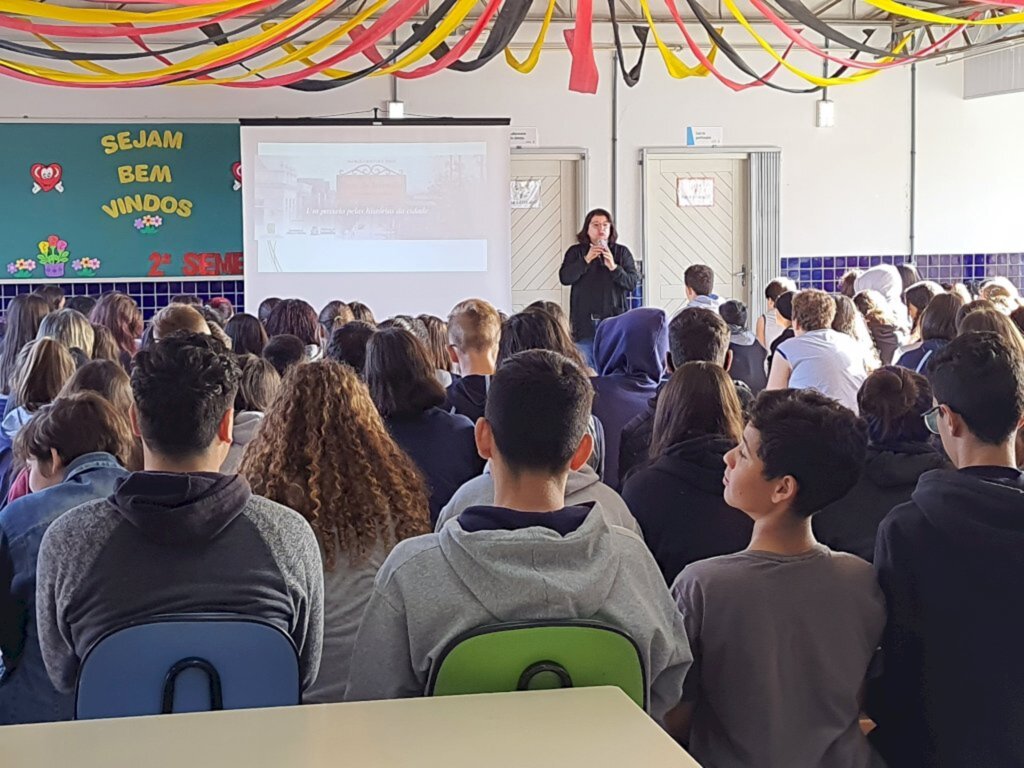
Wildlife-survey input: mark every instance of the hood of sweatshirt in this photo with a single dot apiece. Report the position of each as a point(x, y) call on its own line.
point(699, 462)
point(180, 508)
point(468, 394)
point(741, 337)
point(885, 279)
point(14, 421)
point(246, 425)
point(580, 480)
point(902, 464)
point(554, 575)
point(633, 344)
point(975, 513)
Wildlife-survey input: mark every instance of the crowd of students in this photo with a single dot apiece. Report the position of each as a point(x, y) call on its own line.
point(795, 532)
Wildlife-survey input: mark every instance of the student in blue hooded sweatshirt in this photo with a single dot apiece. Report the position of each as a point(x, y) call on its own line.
point(951, 565)
point(630, 351)
point(525, 556)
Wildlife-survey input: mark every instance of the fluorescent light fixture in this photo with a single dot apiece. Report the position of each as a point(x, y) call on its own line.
point(825, 113)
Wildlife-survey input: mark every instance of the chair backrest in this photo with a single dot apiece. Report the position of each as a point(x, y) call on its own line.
point(188, 663)
point(530, 655)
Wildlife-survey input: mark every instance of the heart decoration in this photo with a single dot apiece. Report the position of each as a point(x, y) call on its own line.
point(47, 177)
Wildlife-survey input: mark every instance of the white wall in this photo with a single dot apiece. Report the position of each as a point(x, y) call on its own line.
point(846, 189)
point(970, 167)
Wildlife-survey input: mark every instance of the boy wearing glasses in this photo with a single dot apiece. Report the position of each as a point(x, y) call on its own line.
point(951, 565)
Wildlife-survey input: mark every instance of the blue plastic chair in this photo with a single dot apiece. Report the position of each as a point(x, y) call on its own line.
point(188, 663)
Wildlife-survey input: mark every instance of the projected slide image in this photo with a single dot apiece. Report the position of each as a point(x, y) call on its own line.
point(353, 207)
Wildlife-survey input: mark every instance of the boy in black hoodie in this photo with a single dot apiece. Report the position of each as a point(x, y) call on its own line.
point(178, 537)
point(951, 564)
point(474, 328)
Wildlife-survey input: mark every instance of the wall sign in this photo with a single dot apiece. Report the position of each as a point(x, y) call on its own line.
point(695, 192)
point(120, 201)
point(704, 137)
point(523, 137)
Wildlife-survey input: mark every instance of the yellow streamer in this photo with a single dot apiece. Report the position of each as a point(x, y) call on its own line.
point(813, 79)
point(459, 13)
point(212, 57)
point(526, 66)
point(297, 53)
point(677, 68)
point(935, 18)
point(33, 8)
point(88, 65)
point(99, 75)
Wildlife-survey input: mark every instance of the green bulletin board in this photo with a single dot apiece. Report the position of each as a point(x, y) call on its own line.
point(108, 202)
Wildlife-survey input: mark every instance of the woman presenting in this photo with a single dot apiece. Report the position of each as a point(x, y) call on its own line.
point(602, 274)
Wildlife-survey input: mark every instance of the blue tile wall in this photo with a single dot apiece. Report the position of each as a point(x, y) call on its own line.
point(151, 296)
point(825, 272)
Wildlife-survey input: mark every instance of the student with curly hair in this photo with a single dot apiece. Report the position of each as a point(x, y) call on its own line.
point(346, 475)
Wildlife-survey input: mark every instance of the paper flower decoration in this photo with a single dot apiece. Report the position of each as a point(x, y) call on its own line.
point(22, 267)
point(85, 267)
point(147, 224)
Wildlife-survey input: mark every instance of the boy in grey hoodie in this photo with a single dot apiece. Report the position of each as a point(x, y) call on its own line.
point(581, 486)
point(179, 537)
point(526, 557)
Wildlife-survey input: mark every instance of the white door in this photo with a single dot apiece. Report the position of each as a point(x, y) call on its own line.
point(545, 219)
point(696, 212)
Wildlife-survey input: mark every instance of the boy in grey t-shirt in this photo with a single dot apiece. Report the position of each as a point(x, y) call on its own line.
point(783, 633)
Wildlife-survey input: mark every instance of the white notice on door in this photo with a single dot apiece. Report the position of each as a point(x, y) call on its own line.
point(526, 193)
point(695, 192)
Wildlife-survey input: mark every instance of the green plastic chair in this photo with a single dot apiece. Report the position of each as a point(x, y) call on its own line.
point(535, 655)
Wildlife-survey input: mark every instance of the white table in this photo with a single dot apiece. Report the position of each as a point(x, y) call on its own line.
point(586, 727)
